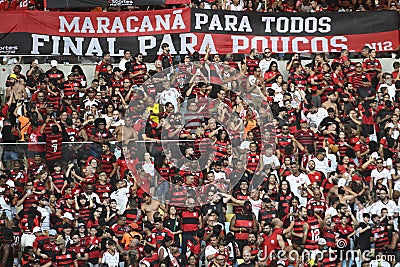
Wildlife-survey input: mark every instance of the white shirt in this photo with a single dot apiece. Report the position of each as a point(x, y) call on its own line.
point(396, 132)
point(121, 64)
point(95, 197)
point(115, 124)
point(265, 63)
point(170, 95)
point(322, 165)
point(3, 203)
point(391, 89)
point(111, 260)
point(149, 168)
point(210, 250)
point(377, 207)
point(272, 160)
point(45, 212)
point(318, 116)
point(380, 262)
point(256, 206)
point(121, 196)
point(295, 183)
point(383, 174)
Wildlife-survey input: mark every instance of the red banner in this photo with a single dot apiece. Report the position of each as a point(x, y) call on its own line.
point(188, 30)
point(94, 24)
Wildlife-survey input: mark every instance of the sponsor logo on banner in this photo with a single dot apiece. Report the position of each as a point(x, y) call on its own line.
point(8, 49)
point(121, 2)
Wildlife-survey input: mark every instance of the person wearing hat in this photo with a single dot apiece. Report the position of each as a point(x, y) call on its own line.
point(46, 246)
point(243, 223)
point(64, 256)
point(15, 89)
point(55, 75)
point(90, 98)
point(117, 78)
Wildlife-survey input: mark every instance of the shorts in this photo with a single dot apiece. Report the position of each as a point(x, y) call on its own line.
point(10, 155)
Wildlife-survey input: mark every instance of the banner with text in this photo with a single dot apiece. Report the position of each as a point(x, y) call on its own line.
point(297, 32)
point(185, 30)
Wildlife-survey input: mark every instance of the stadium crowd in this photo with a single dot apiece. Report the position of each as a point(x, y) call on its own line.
point(208, 162)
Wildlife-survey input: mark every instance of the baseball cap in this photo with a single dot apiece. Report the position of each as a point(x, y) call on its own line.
point(53, 63)
point(71, 74)
point(37, 229)
point(13, 76)
point(81, 225)
point(52, 232)
point(68, 216)
point(303, 121)
point(321, 241)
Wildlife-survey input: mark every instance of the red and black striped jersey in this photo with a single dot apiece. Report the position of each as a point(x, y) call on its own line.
point(107, 161)
point(251, 65)
point(55, 76)
point(190, 220)
point(253, 159)
point(283, 140)
point(58, 179)
point(137, 67)
point(64, 259)
point(53, 146)
point(357, 79)
point(370, 64)
point(381, 235)
point(313, 234)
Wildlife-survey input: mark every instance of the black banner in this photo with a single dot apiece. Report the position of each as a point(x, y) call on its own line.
point(293, 24)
